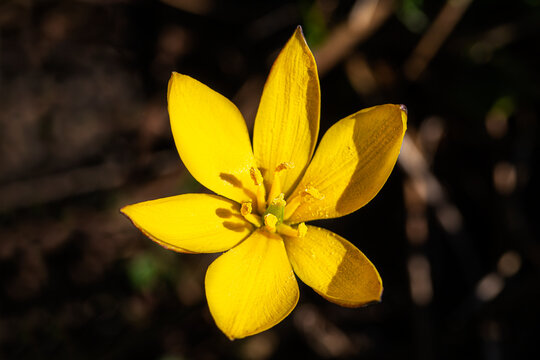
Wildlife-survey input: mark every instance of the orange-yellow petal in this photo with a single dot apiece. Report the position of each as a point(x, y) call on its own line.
point(193, 223)
point(212, 138)
point(352, 163)
point(334, 268)
point(251, 287)
point(287, 122)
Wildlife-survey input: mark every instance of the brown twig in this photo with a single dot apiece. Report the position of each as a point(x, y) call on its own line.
point(364, 19)
point(434, 37)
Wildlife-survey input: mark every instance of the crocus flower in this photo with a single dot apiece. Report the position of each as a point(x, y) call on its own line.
point(266, 193)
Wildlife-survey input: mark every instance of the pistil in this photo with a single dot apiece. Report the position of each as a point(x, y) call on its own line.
point(276, 209)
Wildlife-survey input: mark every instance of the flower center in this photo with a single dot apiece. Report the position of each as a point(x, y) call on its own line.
point(276, 208)
point(273, 211)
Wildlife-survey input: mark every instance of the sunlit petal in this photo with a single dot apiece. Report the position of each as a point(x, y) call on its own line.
point(352, 163)
point(334, 268)
point(287, 122)
point(211, 137)
point(197, 223)
point(251, 287)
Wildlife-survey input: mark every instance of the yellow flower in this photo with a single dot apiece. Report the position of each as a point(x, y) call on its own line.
point(266, 193)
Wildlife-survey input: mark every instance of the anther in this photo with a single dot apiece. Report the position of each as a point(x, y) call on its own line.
point(245, 210)
point(299, 198)
point(288, 230)
point(284, 166)
point(257, 178)
point(302, 229)
point(270, 222)
point(314, 193)
point(275, 190)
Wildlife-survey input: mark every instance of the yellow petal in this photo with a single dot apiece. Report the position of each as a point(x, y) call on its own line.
point(211, 137)
point(193, 223)
point(251, 287)
point(352, 163)
point(287, 122)
point(334, 268)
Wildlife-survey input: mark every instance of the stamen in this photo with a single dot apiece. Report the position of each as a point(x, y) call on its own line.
point(245, 210)
point(291, 206)
point(257, 178)
point(284, 166)
point(288, 230)
point(270, 221)
point(275, 190)
point(314, 193)
point(302, 229)
point(299, 198)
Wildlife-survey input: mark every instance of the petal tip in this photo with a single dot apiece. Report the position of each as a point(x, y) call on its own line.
point(174, 76)
point(299, 35)
point(125, 210)
point(403, 108)
point(404, 116)
point(177, 77)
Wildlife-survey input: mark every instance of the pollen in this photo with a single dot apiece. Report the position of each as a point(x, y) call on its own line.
point(314, 193)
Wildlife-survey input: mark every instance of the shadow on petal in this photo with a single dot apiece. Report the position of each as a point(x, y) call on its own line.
point(238, 227)
point(334, 268)
point(351, 288)
point(234, 181)
point(224, 213)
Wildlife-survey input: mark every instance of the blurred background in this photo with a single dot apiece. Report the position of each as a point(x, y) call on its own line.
point(84, 131)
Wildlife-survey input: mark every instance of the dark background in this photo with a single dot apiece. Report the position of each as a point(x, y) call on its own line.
point(84, 131)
